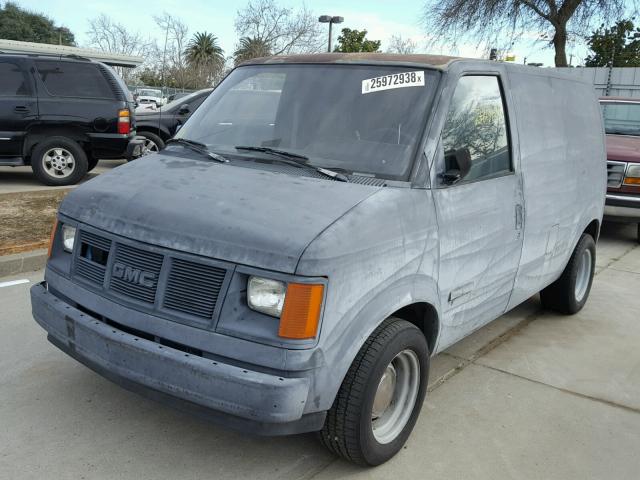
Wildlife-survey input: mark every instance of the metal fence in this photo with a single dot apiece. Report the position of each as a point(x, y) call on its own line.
point(616, 82)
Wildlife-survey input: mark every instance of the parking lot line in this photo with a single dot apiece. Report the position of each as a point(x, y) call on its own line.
point(13, 282)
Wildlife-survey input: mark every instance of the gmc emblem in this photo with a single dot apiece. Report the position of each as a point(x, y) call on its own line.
point(133, 275)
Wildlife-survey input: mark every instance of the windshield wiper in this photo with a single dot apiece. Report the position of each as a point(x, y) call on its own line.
point(199, 147)
point(297, 159)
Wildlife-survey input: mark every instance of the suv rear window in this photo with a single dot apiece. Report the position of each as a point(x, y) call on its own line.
point(12, 80)
point(74, 79)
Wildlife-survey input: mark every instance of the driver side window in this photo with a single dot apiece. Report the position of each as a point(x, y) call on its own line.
point(476, 125)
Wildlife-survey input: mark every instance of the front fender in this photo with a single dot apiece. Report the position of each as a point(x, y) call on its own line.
point(373, 257)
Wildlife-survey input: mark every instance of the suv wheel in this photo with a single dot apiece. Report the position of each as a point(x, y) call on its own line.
point(152, 143)
point(381, 396)
point(569, 293)
point(59, 161)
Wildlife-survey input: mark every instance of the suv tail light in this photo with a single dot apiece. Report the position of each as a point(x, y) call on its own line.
point(124, 121)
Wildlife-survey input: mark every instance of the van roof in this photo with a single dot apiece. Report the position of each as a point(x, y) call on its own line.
point(440, 62)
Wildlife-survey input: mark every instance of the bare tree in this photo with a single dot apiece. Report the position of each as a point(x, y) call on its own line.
point(107, 35)
point(404, 46)
point(489, 21)
point(285, 30)
point(171, 53)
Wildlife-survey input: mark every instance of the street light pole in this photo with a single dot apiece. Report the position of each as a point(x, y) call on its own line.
point(330, 20)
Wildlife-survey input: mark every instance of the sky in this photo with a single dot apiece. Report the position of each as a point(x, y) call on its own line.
point(381, 18)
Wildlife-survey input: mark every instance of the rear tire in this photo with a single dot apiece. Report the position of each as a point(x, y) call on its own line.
point(59, 161)
point(570, 292)
point(93, 162)
point(381, 396)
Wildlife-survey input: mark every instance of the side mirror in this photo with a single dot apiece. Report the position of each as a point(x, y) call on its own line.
point(457, 165)
point(184, 109)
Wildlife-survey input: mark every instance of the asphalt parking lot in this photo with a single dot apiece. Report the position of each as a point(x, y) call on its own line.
point(532, 395)
point(21, 179)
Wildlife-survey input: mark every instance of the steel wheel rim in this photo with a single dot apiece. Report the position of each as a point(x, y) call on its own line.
point(395, 396)
point(58, 162)
point(149, 146)
point(584, 275)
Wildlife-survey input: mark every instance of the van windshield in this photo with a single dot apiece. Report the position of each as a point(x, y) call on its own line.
point(621, 118)
point(354, 118)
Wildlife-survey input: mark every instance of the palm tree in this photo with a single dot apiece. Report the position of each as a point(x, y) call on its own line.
point(203, 49)
point(205, 57)
point(249, 48)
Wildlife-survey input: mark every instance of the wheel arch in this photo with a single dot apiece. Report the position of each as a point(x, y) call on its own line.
point(38, 134)
point(162, 133)
point(424, 316)
point(593, 229)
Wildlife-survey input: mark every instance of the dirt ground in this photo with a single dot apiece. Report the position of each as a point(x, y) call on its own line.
point(26, 219)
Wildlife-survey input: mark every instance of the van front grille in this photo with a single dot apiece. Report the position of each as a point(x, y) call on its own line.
point(135, 273)
point(193, 288)
point(615, 173)
point(158, 281)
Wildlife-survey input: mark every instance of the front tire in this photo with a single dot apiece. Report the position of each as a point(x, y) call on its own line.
point(152, 144)
point(569, 293)
point(381, 396)
point(59, 161)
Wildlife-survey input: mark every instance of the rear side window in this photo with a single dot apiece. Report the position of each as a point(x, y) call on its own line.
point(13, 81)
point(476, 121)
point(74, 79)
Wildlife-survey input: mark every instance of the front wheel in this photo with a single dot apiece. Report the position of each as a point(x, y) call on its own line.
point(152, 143)
point(381, 396)
point(569, 293)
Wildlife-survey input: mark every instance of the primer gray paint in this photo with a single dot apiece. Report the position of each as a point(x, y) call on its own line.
point(459, 249)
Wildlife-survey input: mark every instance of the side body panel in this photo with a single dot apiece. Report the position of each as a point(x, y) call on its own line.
point(564, 172)
point(480, 230)
point(18, 109)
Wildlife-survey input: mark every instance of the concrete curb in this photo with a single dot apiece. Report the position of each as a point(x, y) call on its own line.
point(22, 262)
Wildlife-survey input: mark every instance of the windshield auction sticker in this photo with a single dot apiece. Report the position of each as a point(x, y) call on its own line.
point(414, 78)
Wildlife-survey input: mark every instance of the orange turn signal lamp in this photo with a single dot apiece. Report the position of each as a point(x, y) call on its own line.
point(52, 236)
point(301, 311)
point(632, 181)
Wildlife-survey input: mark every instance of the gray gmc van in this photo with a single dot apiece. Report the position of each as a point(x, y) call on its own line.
point(319, 228)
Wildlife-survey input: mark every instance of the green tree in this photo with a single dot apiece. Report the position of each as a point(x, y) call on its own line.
point(251, 47)
point(618, 46)
point(494, 21)
point(203, 49)
point(205, 56)
point(19, 24)
point(355, 41)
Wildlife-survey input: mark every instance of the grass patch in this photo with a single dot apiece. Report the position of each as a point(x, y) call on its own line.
point(26, 219)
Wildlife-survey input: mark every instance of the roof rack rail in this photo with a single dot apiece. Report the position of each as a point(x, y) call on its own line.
point(56, 55)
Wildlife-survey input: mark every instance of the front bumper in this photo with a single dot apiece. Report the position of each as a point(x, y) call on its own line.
point(622, 207)
point(236, 397)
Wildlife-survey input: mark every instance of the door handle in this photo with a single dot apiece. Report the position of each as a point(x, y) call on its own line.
point(21, 109)
point(519, 217)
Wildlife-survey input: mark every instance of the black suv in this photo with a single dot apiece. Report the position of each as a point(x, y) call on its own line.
point(61, 114)
point(157, 126)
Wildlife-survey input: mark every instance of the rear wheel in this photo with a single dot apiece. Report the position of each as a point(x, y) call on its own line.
point(59, 161)
point(569, 293)
point(381, 396)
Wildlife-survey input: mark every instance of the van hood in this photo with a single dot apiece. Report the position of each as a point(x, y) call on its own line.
point(623, 148)
point(242, 215)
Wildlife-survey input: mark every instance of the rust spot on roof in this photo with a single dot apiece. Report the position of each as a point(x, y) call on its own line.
point(437, 61)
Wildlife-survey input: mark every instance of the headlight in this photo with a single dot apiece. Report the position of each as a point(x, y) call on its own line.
point(266, 296)
point(632, 176)
point(68, 237)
